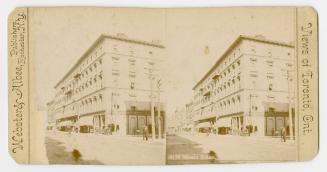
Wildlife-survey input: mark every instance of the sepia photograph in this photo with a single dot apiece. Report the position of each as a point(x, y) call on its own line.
point(155, 86)
point(234, 85)
point(200, 86)
point(103, 82)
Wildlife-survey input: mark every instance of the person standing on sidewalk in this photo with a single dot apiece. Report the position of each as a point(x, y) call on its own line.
point(283, 134)
point(145, 133)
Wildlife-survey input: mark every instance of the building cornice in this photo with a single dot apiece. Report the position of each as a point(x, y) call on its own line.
point(233, 45)
point(97, 42)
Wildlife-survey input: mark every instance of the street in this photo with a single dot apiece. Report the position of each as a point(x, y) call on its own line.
point(104, 149)
point(181, 149)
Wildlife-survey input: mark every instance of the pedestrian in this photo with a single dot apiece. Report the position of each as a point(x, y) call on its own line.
point(110, 129)
point(145, 133)
point(117, 128)
point(283, 134)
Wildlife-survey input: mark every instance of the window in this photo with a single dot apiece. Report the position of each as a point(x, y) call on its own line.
point(115, 72)
point(288, 64)
point(253, 49)
point(270, 63)
point(270, 87)
point(271, 109)
point(132, 85)
point(253, 60)
point(131, 62)
point(270, 75)
point(253, 74)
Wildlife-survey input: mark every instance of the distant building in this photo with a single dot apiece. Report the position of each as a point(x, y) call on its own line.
point(109, 89)
point(248, 90)
point(51, 120)
point(189, 117)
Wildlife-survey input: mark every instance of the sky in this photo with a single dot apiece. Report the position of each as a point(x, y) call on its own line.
point(60, 36)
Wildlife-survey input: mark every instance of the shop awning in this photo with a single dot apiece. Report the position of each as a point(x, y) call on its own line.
point(66, 123)
point(87, 120)
point(68, 115)
point(223, 122)
point(277, 107)
point(204, 125)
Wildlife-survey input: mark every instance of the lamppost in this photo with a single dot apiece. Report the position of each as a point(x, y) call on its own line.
point(290, 114)
point(159, 115)
point(250, 110)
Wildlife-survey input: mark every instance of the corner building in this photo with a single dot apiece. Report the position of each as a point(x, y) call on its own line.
point(249, 90)
point(108, 90)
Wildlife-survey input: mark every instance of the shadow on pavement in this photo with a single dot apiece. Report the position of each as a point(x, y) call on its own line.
point(57, 155)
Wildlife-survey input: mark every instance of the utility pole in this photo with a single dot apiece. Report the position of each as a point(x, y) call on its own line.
point(250, 110)
point(153, 129)
point(290, 114)
point(159, 115)
point(151, 78)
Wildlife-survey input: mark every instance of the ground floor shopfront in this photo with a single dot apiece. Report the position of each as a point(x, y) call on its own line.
point(205, 125)
point(66, 124)
point(125, 122)
point(275, 121)
point(267, 123)
point(138, 120)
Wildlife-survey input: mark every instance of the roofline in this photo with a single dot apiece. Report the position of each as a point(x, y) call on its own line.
point(97, 42)
point(233, 45)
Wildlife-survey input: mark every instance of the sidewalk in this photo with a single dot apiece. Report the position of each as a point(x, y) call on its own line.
point(245, 148)
point(267, 139)
point(113, 149)
point(113, 136)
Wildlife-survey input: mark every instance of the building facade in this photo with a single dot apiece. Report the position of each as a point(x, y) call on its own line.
point(249, 90)
point(112, 88)
point(51, 120)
